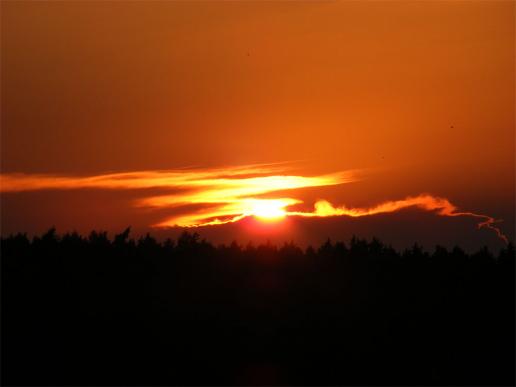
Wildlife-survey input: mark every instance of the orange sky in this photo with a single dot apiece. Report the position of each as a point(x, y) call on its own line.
point(419, 94)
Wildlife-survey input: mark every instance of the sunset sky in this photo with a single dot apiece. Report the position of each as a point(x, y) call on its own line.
point(155, 114)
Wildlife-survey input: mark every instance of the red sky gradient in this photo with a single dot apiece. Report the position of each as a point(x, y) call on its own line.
point(418, 96)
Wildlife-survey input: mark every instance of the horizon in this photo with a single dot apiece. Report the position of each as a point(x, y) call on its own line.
point(181, 233)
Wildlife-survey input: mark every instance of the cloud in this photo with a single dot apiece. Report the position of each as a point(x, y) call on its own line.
point(230, 194)
point(441, 206)
point(17, 182)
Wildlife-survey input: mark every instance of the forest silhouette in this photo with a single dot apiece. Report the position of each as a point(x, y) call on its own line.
point(98, 311)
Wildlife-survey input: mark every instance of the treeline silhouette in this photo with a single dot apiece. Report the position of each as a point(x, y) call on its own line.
point(95, 311)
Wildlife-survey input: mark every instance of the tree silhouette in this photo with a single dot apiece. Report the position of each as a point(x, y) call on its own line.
point(99, 311)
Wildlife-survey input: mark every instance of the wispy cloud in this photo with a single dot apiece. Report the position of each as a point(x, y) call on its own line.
point(441, 206)
point(230, 194)
point(17, 182)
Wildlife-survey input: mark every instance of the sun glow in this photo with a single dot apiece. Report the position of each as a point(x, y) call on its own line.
point(269, 209)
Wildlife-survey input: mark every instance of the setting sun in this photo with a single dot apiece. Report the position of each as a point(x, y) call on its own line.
point(269, 209)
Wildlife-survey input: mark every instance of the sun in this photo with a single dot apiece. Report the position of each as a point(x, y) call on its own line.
point(269, 209)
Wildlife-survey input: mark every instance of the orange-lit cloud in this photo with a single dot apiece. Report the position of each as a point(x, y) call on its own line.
point(17, 182)
point(426, 202)
point(231, 194)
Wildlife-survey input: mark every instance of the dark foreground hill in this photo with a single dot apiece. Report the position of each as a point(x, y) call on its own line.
point(95, 311)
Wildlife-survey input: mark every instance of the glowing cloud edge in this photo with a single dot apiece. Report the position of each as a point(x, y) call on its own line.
point(233, 193)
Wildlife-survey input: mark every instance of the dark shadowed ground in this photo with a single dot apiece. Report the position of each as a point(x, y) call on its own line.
point(95, 311)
